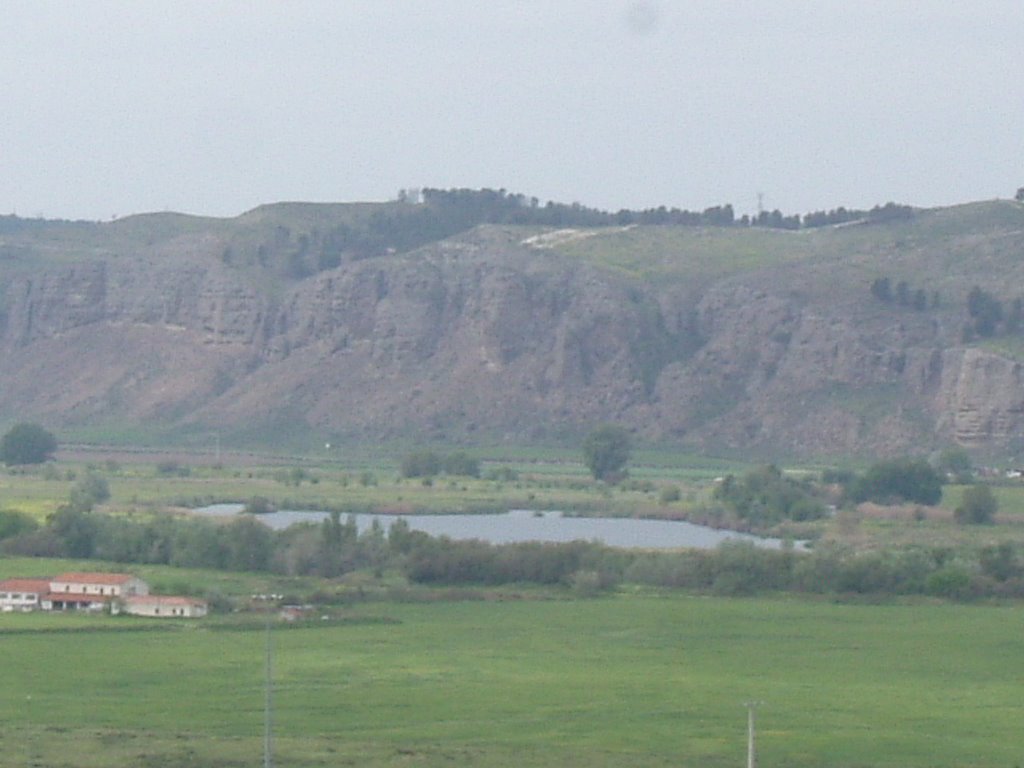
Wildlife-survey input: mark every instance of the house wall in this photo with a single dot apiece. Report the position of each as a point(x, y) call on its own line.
point(18, 601)
point(95, 592)
point(131, 586)
point(165, 608)
point(72, 603)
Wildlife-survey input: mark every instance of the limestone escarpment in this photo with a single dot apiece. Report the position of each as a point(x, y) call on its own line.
point(487, 336)
point(453, 341)
point(982, 398)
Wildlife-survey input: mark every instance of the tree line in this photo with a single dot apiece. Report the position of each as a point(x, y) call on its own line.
point(903, 294)
point(986, 314)
point(336, 546)
point(420, 217)
point(763, 496)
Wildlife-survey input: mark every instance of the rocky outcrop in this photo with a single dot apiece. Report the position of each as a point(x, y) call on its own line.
point(486, 337)
point(212, 306)
point(454, 341)
point(981, 400)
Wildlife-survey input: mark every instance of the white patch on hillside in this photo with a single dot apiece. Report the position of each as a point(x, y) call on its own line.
point(562, 236)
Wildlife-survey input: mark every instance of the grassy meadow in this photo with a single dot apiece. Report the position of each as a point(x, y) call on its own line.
point(540, 479)
point(516, 676)
point(142, 485)
point(642, 680)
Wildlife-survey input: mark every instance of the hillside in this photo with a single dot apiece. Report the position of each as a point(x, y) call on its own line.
point(379, 321)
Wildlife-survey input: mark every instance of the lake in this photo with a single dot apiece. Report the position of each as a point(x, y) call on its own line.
point(527, 525)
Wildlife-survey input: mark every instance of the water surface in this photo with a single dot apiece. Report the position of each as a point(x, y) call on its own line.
point(526, 525)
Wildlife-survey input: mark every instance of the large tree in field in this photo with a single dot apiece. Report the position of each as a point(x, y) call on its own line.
point(26, 443)
point(606, 450)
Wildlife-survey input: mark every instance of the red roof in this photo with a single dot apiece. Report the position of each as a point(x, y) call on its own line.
point(25, 585)
point(93, 578)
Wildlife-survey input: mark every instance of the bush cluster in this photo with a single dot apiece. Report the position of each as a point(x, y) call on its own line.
point(766, 496)
point(898, 480)
point(427, 463)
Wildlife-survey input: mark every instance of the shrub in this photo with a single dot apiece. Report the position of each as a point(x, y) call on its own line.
point(585, 583)
point(999, 561)
point(670, 494)
point(14, 523)
point(423, 463)
point(258, 505)
point(951, 581)
point(461, 463)
point(503, 474)
point(26, 443)
point(89, 491)
point(637, 485)
point(765, 496)
point(977, 507)
point(170, 468)
point(904, 479)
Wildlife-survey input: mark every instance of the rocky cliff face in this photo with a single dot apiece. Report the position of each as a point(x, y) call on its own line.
point(980, 401)
point(486, 336)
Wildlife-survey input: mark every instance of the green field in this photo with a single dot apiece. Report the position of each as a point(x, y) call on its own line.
point(632, 680)
point(545, 480)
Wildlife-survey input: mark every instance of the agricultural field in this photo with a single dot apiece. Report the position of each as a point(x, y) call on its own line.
point(142, 485)
point(640, 679)
point(509, 480)
point(387, 672)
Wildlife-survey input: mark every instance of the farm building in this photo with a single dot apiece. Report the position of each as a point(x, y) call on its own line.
point(114, 592)
point(90, 591)
point(22, 594)
point(163, 605)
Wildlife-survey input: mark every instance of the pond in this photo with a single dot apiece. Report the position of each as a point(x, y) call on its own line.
point(527, 525)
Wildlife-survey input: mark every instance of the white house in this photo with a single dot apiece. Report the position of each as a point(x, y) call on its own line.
point(90, 591)
point(22, 594)
point(116, 592)
point(163, 606)
point(98, 584)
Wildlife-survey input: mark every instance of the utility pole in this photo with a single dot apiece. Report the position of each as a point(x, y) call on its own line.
point(751, 751)
point(268, 701)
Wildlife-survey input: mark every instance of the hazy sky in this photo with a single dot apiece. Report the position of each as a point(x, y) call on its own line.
point(214, 107)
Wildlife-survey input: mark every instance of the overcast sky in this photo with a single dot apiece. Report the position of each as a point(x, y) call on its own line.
point(215, 107)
